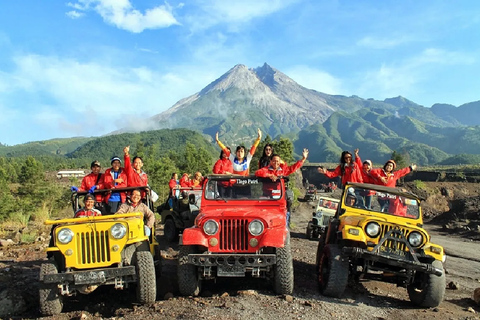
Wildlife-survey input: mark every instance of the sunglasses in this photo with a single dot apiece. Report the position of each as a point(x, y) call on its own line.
point(348, 157)
point(268, 149)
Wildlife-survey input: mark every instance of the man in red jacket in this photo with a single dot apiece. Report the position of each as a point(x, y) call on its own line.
point(278, 169)
point(94, 178)
point(114, 177)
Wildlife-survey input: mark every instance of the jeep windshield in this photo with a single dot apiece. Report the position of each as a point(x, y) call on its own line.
point(242, 188)
point(383, 200)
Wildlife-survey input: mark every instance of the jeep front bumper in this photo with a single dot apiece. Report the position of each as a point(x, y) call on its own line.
point(392, 259)
point(90, 277)
point(233, 265)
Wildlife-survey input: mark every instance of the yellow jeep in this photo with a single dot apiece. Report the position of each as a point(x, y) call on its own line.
point(377, 233)
point(87, 252)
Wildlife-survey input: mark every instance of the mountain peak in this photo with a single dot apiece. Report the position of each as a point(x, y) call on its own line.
point(239, 77)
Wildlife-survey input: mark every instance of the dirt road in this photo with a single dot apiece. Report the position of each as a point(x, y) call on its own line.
point(245, 298)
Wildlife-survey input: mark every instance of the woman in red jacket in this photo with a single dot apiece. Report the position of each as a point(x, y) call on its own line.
point(388, 177)
point(223, 165)
point(347, 169)
point(136, 177)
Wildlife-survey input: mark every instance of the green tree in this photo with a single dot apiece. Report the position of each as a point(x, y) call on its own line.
point(195, 159)
point(159, 174)
point(400, 159)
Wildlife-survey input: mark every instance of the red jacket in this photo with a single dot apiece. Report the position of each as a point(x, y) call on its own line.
point(91, 180)
point(87, 213)
point(171, 184)
point(353, 173)
point(391, 177)
point(108, 183)
point(367, 177)
point(283, 170)
point(134, 179)
point(184, 182)
point(222, 166)
point(273, 189)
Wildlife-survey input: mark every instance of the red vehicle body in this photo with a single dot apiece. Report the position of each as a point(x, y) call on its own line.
point(240, 230)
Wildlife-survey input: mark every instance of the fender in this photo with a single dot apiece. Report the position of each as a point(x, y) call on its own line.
point(274, 238)
point(194, 236)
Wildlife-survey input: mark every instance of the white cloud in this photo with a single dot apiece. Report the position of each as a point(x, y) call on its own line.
point(123, 15)
point(74, 14)
point(314, 79)
point(233, 12)
point(384, 43)
point(405, 77)
point(54, 97)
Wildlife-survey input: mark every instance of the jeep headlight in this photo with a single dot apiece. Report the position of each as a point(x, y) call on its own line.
point(64, 236)
point(415, 239)
point(210, 227)
point(372, 229)
point(255, 227)
point(118, 231)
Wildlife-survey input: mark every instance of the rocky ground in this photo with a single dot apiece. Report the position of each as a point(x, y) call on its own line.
point(453, 212)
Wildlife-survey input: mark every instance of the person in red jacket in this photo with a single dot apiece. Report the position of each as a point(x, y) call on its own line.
point(136, 177)
point(388, 177)
point(223, 164)
point(185, 181)
point(278, 169)
point(347, 169)
point(92, 179)
point(174, 186)
point(114, 177)
point(88, 210)
point(367, 177)
point(240, 161)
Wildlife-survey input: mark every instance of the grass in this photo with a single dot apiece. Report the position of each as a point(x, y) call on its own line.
point(420, 184)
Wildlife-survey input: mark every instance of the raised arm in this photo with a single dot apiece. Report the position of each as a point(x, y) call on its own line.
point(221, 145)
point(256, 142)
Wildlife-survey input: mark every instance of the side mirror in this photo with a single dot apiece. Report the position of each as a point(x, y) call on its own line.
point(191, 199)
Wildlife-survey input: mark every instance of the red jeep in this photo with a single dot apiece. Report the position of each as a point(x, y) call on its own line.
point(240, 230)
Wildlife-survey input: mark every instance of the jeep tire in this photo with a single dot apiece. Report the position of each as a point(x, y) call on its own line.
point(189, 284)
point(170, 230)
point(146, 280)
point(332, 271)
point(428, 289)
point(49, 296)
point(309, 231)
point(283, 270)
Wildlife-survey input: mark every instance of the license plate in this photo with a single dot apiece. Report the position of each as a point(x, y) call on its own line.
point(231, 271)
point(391, 251)
point(89, 277)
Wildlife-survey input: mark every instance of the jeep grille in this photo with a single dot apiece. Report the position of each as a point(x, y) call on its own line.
point(397, 245)
point(234, 234)
point(93, 247)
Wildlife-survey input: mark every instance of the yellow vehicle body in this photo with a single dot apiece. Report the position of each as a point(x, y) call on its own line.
point(377, 233)
point(93, 246)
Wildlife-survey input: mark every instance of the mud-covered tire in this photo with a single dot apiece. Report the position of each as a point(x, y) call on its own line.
point(283, 270)
point(146, 279)
point(50, 299)
point(333, 271)
point(189, 283)
point(170, 230)
point(428, 289)
point(309, 232)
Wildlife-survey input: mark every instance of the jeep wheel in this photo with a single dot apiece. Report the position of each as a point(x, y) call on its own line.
point(283, 277)
point(50, 299)
point(428, 289)
point(170, 230)
point(332, 271)
point(309, 232)
point(315, 234)
point(146, 288)
point(189, 283)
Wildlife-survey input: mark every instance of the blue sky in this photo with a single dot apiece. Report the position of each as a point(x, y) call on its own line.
point(88, 67)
